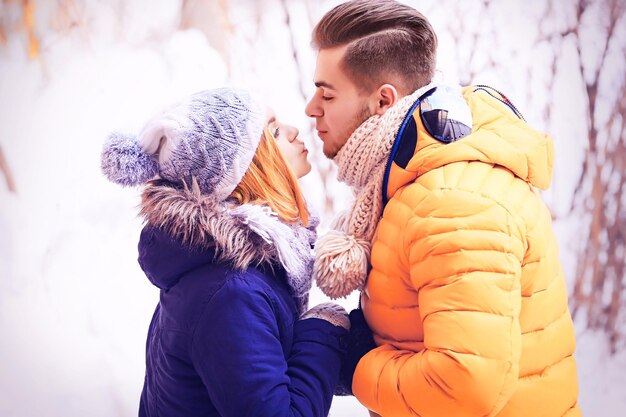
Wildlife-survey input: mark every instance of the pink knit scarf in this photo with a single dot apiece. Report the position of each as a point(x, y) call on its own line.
point(342, 256)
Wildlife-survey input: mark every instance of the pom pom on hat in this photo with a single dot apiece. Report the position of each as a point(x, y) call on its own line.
point(124, 162)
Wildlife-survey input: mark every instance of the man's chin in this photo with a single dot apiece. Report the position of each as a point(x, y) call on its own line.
point(330, 153)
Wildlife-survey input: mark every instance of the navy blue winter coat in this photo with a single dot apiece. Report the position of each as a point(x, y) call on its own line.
point(229, 342)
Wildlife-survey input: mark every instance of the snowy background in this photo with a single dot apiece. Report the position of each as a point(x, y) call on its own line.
point(74, 305)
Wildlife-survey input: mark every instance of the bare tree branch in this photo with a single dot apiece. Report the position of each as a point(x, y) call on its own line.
point(324, 171)
point(4, 168)
point(600, 274)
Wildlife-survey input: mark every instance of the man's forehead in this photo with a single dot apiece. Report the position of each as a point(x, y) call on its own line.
point(335, 53)
point(328, 69)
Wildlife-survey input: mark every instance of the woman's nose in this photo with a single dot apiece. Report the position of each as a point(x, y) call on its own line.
point(291, 132)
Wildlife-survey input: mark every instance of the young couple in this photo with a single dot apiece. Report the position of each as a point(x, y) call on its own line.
point(447, 238)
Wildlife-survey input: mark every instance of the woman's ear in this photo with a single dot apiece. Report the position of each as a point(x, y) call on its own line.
point(385, 97)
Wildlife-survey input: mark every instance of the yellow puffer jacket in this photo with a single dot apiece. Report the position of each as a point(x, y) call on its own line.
point(466, 297)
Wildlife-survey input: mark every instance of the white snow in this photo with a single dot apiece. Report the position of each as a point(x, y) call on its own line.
point(75, 307)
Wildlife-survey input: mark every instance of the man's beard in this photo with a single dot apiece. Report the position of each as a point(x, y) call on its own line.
point(358, 119)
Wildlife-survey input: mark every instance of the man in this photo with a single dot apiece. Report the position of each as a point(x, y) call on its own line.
point(464, 292)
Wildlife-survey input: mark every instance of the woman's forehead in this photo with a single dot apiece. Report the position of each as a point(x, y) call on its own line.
point(270, 116)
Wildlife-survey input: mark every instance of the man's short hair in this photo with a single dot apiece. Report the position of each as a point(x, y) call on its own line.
point(386, 40)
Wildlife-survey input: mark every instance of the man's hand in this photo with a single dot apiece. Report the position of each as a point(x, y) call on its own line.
point(357, 343)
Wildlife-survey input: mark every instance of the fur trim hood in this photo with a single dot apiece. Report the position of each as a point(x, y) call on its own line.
point(243, 235)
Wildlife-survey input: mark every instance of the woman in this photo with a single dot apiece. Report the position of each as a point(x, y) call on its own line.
point(228, 241)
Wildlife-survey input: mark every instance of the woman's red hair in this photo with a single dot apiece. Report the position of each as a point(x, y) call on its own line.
point(270, 181)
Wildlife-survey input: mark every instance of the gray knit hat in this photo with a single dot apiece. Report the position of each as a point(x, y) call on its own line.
point(210, 137)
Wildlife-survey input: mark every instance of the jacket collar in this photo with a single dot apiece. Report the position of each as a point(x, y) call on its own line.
point(243, 235)
point(498, 136)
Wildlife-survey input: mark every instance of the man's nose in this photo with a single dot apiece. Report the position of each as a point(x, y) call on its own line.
point(313, 109)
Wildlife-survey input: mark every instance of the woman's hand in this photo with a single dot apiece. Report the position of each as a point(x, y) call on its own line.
point(331, 312)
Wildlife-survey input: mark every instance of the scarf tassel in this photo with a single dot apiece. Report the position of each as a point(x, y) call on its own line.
point(342, 263)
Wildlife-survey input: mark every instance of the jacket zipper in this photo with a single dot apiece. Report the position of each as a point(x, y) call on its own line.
point(504, 99)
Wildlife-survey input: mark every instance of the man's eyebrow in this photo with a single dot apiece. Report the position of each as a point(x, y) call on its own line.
point(271, 120)
point(324, 84)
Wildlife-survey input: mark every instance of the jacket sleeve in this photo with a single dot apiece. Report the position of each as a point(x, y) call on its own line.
point(464, 253)
point(237, 351)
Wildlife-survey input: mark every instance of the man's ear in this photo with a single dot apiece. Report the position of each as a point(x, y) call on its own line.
point(385, 96)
